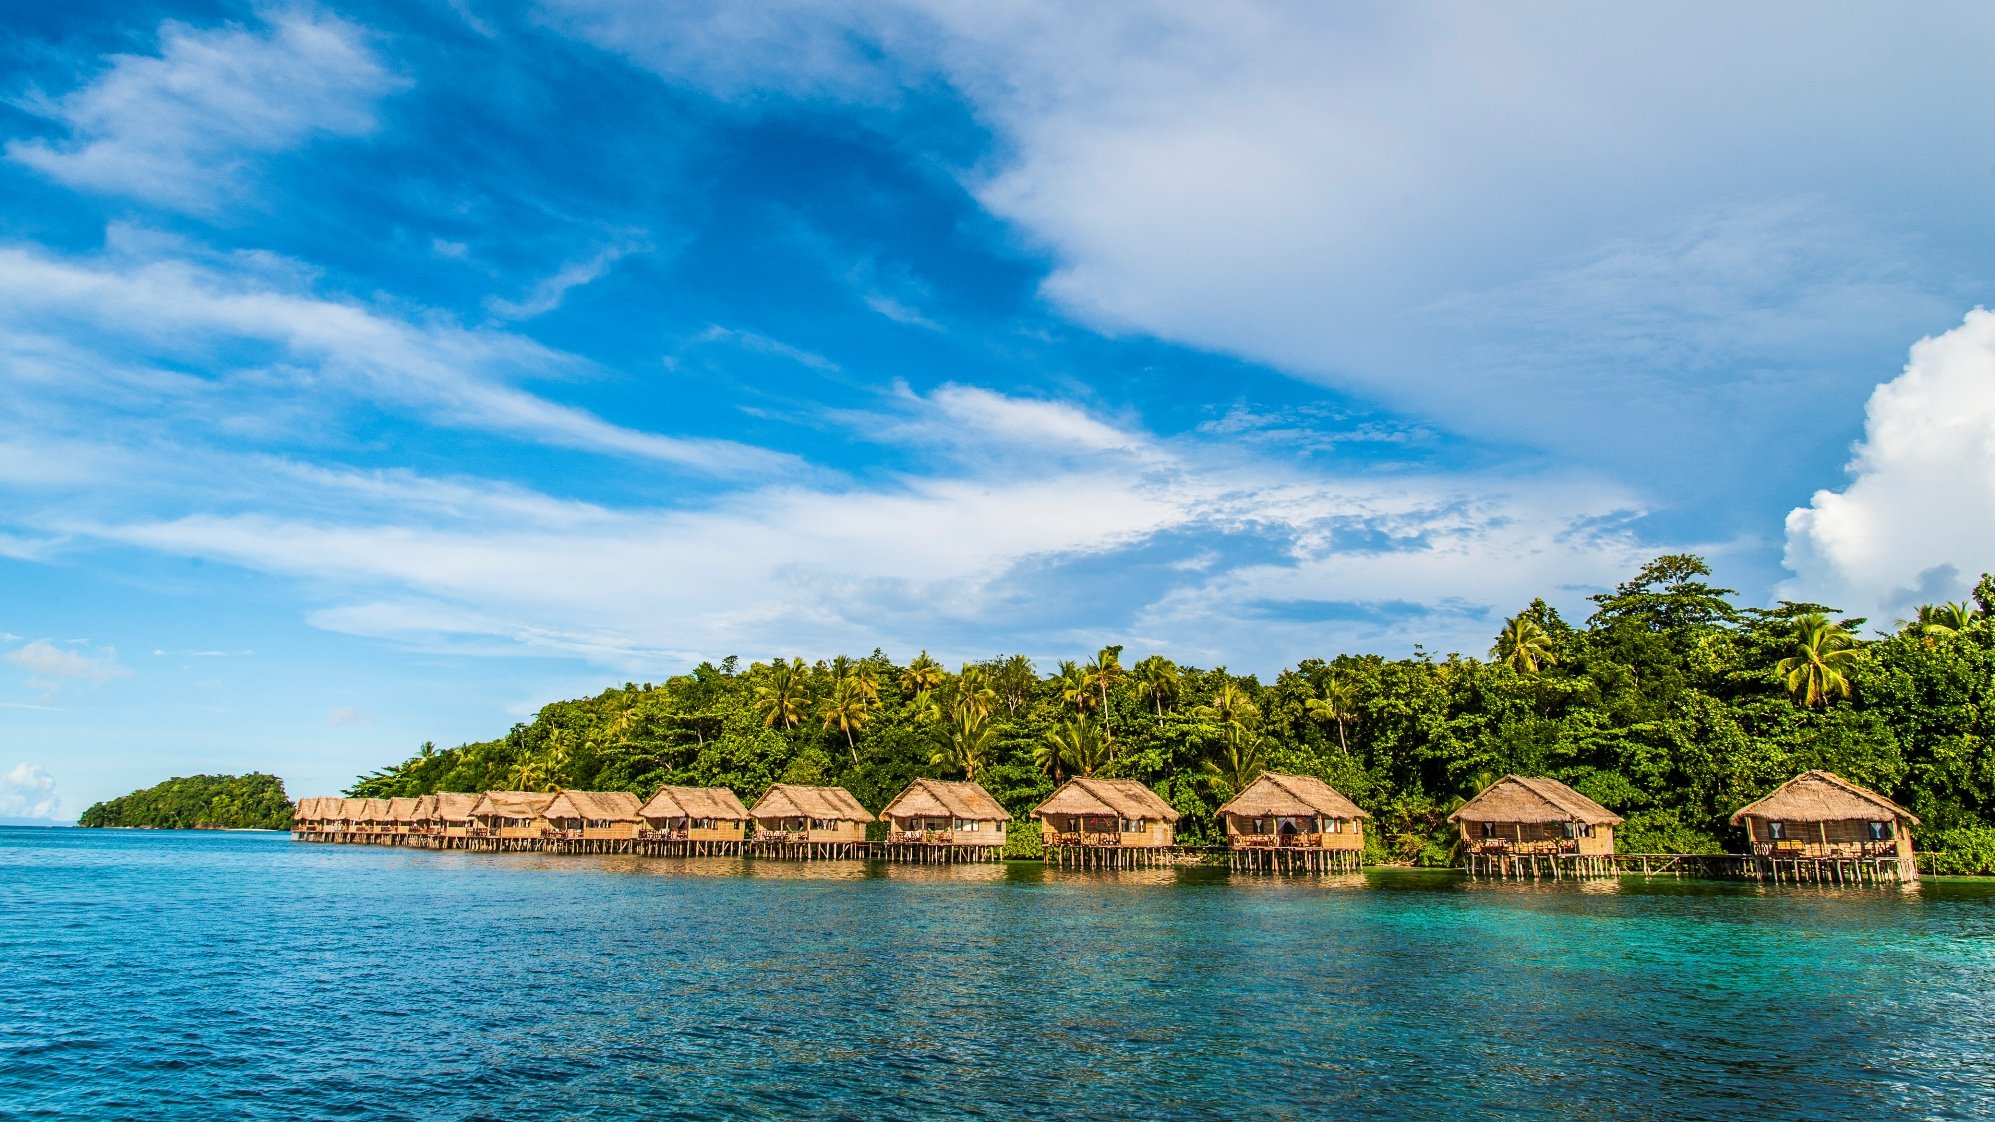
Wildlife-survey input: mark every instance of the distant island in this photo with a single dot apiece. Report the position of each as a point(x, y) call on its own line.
point(199, 802)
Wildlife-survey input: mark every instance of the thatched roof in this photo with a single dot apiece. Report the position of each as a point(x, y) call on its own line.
point(696, 802)
point(307, 810)
point(945, 798)
point(426, 808)
point(615, 806)
point(1533, 799)
point(512, 804)
point(402, 811)
point(348, 810)
point(1296, 796)
point(373, 810)
point(788, 800)
point(1107, 798)
point(455, 806)
point(1821, 796)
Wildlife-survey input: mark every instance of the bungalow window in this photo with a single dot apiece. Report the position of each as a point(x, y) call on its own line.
point(1572, 829)
point(1131, 826)
point(1333, 826)
point(1777, 831)
point(1489, 829)
point(1880, 831)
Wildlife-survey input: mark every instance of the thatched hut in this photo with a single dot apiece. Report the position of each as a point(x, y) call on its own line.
point(1086, 815)
point(511, 814)
point(401, 816)
point(425, 816)
point(706, 819)
point(1533, 825)
point(943, 814)
point(305, 817)
point(451, 817)
point(799, 821)
point(1819, 816)
point(1279, 812)
point(594, 815)
point(334, 816)
point(372, 816)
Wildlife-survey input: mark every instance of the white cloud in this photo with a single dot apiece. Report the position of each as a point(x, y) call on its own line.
point(345, 715)
point(47, 662)
point(551, 291)
point(1524, 223)
point(1916, 524)
point(28, 791)
point(181, 128)
point(129, 313)
point(994, 549)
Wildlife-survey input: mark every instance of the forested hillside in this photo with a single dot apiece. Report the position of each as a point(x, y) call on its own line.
point(200, 802)
point(1669, 704)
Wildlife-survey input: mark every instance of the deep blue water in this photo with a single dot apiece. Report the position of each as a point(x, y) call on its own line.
point(205, 976)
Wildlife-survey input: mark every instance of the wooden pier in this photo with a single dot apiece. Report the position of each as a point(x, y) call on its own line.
point(1293, 859)
point(937, 853)
point(1112, 856)
point(786, 849)
point(1499, 865)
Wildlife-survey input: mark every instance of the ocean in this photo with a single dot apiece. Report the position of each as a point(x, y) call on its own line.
point(170, 975)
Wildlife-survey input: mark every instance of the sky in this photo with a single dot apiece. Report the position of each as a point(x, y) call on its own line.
point(376, 373)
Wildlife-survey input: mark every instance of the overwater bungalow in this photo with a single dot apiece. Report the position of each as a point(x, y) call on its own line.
point(333, 816)
point(593, 816)
point(1107, 823)
point(425, 816)
point(1293, 823)
point(402, 816)
point(694, 822)
point(373, 817)
point(452, 816)
point(511, 815)
point(1532, 826)
point(1820, 827)
point(941, 820)
point(797, 821)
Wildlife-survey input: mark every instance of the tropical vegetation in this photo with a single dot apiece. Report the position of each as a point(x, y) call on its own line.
point(1669, 703)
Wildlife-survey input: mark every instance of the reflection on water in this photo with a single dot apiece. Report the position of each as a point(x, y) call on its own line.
point(190, 977)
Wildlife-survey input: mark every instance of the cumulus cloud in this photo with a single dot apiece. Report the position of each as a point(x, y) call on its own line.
point(1916, 524)
point(48, 663)
point(28, 791)
point(182, 127)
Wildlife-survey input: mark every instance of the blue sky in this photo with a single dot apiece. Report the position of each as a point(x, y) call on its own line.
point(377, 373)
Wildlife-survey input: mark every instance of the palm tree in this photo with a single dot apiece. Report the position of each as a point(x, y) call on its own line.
point(970, 692)
point(1104, 672)
point(1236, 766)
point(1072, 685)
point(1525, 645)
point(1339, 703)
point(527, 774)
point(1232, 710)
point(783, 694)
point(1074, 744)
point(923, 674)
point(1158, 682)
point(966, 746)
point(1815, 672)
point(1944, 620)
point(848, 709)
point(559, 743)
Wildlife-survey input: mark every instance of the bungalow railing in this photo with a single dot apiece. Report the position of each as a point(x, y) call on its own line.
point(670, 834)
point(1792, 848)
point(1084, 837)
point(1546, 847)
point(921, 837)
point(1278, 841)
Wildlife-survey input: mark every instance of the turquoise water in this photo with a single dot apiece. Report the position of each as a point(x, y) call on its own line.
point(204, 976)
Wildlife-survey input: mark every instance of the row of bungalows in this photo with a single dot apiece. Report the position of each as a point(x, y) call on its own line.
point(1816, 827)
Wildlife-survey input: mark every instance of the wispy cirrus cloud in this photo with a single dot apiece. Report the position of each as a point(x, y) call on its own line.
point(183, 128)
point(118, 322)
